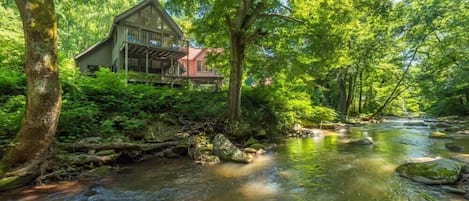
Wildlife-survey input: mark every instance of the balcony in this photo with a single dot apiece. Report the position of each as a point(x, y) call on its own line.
point(156, 44)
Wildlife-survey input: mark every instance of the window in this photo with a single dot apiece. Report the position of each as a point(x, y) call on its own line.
point(92, 69)
point(201, 67)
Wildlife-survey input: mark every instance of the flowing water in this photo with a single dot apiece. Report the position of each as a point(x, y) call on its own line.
point(323, 168)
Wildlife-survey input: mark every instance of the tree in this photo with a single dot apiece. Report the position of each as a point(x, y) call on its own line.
point(43, 104)
point(236, 24)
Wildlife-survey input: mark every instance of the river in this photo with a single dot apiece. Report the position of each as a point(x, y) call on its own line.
point(322, 168)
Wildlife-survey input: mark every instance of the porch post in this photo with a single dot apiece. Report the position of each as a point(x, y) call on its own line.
point(146, 64)
point(172, 64)
point(126, 55)
point(146, 61)
point(126, 62)
point(178, 71)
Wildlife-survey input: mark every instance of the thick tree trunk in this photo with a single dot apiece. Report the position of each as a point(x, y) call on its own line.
point(236, 76)
point(240, 33)
point(43, 102)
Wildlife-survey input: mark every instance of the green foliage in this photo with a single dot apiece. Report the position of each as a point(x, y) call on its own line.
point(281, 108)
point(11, 39)
point(11, 114)
point(12, 83)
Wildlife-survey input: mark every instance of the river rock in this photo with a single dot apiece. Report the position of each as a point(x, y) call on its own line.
point(439, 171)
point(250, 150)
point(439, 135)
point(417, 123)
point(419, 196)
point(442, 125)
point(454, 147)
point(466, 196)
point(452, 129)
point(200, 149)
point(463, 158)
point(341, 128)
point(451, 189)
point(464, 132)
point(363, 141)
point(227, 151)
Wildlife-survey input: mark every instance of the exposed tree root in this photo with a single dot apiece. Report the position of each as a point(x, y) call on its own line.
point(81, 147)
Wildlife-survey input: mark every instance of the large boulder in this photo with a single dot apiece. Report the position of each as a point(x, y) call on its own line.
point(200, 149)
point(439, 171)
point(363, 141)
point(227, 151)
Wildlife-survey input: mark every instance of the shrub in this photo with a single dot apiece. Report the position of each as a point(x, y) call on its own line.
point(11, 114)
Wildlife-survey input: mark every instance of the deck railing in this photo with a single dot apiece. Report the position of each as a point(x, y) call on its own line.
point(155, 39)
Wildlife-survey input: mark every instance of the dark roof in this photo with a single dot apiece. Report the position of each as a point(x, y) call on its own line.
point(129, 12)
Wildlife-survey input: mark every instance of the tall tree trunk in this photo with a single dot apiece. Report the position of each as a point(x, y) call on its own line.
point(240, 33)
point(351, 88)
point(360, 96)
point(236, 77)
point(43, 101)
point(341, 77)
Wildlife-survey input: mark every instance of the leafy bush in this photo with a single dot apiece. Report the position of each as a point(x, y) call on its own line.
point(12, 83)
point(11, 114)
point(279, 108)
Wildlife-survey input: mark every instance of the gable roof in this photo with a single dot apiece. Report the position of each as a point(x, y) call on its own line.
point(142, 5)
point(128, 13)
point(193, 53)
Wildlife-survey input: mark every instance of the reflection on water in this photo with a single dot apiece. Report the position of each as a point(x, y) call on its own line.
point(323, 168)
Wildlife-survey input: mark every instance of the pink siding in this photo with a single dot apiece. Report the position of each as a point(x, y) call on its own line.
point(196, 54)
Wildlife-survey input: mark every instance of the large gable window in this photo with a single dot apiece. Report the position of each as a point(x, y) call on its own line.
point(148, 18)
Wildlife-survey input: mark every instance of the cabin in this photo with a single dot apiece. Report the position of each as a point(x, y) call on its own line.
point(200, 73)
point(145, 43)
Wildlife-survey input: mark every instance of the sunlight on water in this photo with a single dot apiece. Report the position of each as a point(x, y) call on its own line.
point(321, 168)
point(231, 170)
point(376, 165)
point(258, 190)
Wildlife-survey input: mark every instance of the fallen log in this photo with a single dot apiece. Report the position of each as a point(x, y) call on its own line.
point(84, 147)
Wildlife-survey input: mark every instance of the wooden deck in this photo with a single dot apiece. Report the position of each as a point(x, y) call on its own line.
point(156, 44)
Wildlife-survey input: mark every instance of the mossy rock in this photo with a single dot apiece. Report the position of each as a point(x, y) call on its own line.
point(250, 141)
point(439, 135)
point(227, 151)
point(440, 171)
point(160, 131)
point(257, 146)
point(363, 141)
point(105, 152)
point(454, 147)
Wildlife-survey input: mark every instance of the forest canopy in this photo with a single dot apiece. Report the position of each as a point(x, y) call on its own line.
point(354, 57)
